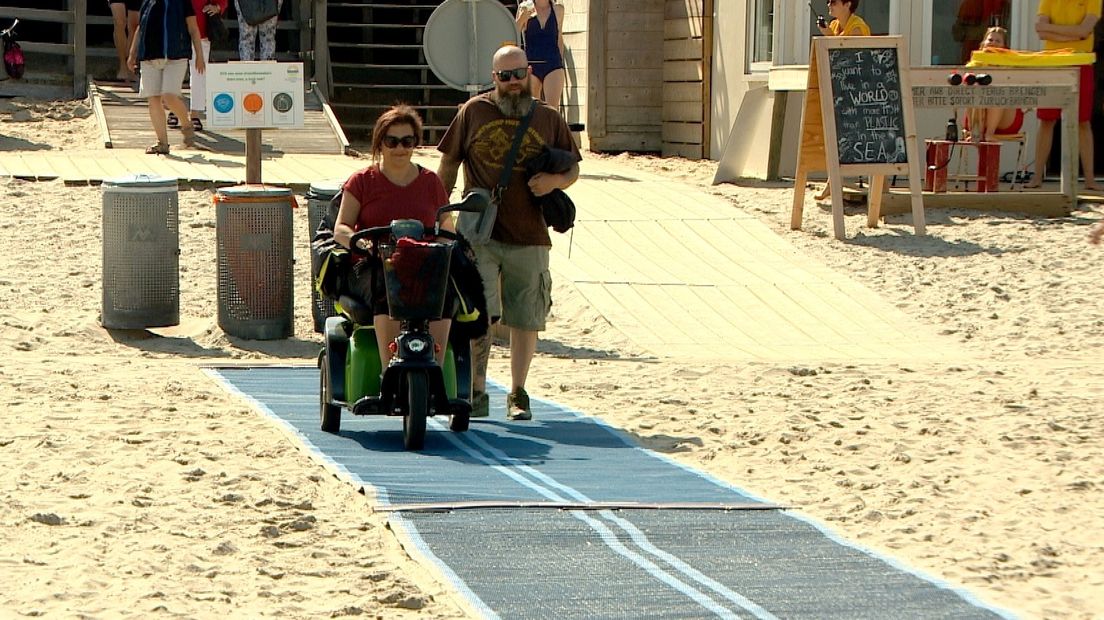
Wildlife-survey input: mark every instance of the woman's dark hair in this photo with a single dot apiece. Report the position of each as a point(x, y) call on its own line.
point(854, 5)
point(401, 114)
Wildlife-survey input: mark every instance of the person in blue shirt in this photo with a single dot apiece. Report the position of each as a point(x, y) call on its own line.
point(166, 38)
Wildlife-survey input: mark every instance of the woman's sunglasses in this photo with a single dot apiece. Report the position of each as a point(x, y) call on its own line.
point(391, 142)
point(517, 74)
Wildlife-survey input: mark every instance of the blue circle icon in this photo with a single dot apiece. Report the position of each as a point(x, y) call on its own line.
point(223, 103)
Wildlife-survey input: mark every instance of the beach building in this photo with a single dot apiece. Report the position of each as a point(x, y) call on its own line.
point(761, 51)
point(712, 79)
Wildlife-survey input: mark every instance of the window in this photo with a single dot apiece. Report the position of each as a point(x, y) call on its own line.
point(761, 35)
point(958, 26)
point(875, 14)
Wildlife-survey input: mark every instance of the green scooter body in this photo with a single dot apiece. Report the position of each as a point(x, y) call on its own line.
point(363, 370)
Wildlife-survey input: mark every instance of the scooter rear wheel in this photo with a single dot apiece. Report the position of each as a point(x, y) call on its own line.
point(329, 413)
point(414, 422)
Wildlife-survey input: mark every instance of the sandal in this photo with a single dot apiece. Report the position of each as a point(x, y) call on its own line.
point(158, 149)
point(197, 125)
point(172, 120)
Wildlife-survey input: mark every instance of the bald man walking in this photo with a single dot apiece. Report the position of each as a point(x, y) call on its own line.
point(514, 263)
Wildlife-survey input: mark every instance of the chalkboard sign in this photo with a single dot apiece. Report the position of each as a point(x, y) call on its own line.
point(856, 121)
point(869, 113)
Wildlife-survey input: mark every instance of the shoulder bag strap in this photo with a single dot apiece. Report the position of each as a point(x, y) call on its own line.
point(508, 166)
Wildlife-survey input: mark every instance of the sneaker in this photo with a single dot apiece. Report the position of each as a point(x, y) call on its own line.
point(481, 405)
point(517, 405)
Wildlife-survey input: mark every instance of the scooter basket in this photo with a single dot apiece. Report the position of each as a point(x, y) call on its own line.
point(416, 276)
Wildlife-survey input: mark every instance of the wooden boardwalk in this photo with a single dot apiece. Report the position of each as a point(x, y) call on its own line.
point(125, 123)
point(684, 274)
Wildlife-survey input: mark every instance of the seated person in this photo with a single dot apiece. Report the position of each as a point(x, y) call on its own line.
point(984, 124)
point(393, 187)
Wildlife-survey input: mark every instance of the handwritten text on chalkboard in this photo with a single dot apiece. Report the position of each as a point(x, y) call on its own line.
point(866, 97)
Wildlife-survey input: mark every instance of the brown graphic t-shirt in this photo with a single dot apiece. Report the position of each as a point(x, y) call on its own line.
point(481, 137)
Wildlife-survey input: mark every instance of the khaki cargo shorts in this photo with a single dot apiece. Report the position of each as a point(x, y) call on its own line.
point(517, 283)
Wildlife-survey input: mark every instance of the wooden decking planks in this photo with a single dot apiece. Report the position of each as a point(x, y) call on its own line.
point(681, 272)
point(126, 118)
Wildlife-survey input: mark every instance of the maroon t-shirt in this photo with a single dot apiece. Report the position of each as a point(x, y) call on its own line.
point(382, 201)
point(481, 136)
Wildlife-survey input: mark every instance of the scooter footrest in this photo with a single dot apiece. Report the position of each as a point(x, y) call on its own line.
point(459, 407)
point(368, 405)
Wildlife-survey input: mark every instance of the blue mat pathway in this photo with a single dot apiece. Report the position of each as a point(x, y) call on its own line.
point(695, 559)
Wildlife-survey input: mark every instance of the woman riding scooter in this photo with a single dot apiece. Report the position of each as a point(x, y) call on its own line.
point(392, 188)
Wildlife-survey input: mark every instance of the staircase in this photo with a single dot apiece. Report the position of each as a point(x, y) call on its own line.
point(376, 59)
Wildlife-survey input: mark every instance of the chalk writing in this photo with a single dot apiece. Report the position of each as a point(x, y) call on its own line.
point(867, 102)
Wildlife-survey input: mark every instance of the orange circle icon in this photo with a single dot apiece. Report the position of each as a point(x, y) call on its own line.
point(253, 103)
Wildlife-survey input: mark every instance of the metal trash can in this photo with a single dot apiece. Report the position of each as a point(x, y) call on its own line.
point(318, 201)
point(255, 261)
point(141, 252)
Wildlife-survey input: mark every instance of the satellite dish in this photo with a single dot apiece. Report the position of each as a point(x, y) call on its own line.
point(461, 38)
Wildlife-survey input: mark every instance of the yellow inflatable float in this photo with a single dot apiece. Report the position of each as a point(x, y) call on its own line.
point(996, 57)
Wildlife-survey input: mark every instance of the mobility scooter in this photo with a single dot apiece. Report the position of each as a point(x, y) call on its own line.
point(416, 275)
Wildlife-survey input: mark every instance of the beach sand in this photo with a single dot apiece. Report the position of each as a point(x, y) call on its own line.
point(131, 483)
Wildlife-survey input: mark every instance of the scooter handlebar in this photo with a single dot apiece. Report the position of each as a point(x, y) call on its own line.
point(475, 201)
point(372, 235)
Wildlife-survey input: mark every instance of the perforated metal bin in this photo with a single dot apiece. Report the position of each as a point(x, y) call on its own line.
point(141, 252)
point(255, 261)
point(318, 201)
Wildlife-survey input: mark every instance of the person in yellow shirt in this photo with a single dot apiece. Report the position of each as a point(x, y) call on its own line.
point(845, 24)
point(1068, 24)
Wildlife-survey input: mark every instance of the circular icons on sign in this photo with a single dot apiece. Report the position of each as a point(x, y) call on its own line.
point(282, 102)
point(223, 103)
point(253, 103)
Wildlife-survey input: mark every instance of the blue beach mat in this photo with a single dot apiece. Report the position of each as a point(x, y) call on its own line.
point(564, 517)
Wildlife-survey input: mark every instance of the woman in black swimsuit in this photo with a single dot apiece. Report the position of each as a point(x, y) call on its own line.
point(539, 21)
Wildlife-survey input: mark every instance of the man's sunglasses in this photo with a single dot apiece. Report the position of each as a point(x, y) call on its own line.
point(391, 142)
point(517, 74)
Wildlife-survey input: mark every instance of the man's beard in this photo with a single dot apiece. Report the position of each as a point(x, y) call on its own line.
point(514, 105)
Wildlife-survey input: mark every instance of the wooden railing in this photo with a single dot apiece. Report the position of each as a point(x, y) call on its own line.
point(75, 47)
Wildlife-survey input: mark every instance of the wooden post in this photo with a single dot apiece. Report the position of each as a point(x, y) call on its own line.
point(322, 49)
point(810, 155)
point(306, 39)
point(253, 156)
point(1070, 156)
point(874, 200)
point(79, 38)
point(596, 70)
point(707, 73)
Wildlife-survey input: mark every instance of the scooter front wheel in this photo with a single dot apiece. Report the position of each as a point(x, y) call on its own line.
point(329, 413)
point(414, 422)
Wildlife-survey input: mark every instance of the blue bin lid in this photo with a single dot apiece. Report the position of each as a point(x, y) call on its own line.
point(141, 182)
point(251, 191)
point(325, 190)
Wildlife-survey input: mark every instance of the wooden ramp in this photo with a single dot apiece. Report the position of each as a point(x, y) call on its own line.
point(684, 274)
point(124, 121)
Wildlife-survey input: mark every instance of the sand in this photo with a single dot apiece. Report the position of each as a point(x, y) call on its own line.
point(131, 483)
